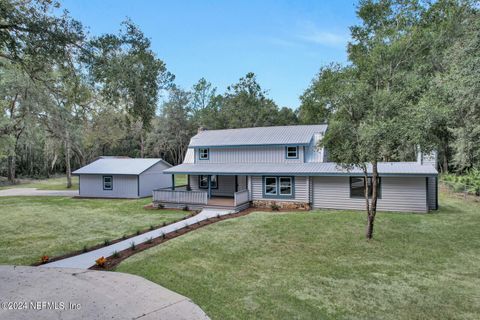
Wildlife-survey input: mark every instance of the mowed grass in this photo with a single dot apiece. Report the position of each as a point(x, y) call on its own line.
point(33, 226)
point(318, 265)
point(180, 179)
point(59, 183)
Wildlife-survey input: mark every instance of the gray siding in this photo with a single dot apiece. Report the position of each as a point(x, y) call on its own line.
point(398, 194)
point(265, 154)
point(124, 186)
point(301, 189)
point(432, 193)
point(153, 178)
point(226, 185)
point(313, 152)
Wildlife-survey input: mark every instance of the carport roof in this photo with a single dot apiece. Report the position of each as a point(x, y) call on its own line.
point(120, 166)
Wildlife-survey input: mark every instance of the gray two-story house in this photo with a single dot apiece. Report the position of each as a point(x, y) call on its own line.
point(237, 168)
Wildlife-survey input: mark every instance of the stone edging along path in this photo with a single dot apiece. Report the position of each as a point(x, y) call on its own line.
point(121, 250)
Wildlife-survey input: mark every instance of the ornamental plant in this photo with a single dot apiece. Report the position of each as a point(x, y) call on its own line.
point(44, 259)
point(101, 261)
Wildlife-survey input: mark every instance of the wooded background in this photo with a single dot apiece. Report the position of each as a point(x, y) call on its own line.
point(67, 98)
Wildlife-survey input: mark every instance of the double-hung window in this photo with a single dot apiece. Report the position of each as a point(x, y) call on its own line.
point(107, 183)
point(291, 152)
point(203, 182)
point(203, 153)
point(286, 186)
point(278, 187)
point(357, 187)
point(271, 186)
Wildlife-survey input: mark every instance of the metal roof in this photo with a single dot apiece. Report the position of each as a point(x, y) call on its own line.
point(126, 166)
point(305, 169)
point(280, 135)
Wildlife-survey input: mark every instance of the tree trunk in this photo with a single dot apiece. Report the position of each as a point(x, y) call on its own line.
point(445, 161)
point(11, 168)
point(372, 209)
point(142, 146)
point(68, 168)
point(370, 222)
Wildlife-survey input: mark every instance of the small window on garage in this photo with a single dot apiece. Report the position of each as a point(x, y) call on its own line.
point(357, 187)
point(107, 183)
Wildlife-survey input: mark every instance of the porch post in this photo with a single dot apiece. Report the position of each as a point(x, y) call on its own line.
point(209, 180)
point(173, 181)
point(236, 183)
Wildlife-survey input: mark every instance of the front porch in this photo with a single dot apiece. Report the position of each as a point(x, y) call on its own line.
point(206, 191)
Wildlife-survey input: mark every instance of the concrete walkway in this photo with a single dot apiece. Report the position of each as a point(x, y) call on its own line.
point(36, 192)
point(87, 260)
point(45, 294)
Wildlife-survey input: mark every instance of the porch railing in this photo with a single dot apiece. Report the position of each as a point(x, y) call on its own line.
point(180, 197)
point(240, 197)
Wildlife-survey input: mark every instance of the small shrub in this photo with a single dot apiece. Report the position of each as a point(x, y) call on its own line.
point(149, 240)
point(185, 208)
point(218, 215)
point(124, 237)
point(152, 227)
point(138, 232)
point(275, 207)
point(133, 246)
point(115, 254)
point(164, 224)
point(106, 242)
point(84, 249)
point(101, 261)
point(44, 259)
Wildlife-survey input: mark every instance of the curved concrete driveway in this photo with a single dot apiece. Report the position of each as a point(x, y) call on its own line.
point(87, 294)
point(35, 192)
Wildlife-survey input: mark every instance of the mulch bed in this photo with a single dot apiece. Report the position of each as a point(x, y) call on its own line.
point(98, 246)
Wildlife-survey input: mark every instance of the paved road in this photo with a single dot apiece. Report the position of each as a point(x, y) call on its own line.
point(87, 294)
point(86, 260)
point(36, 192)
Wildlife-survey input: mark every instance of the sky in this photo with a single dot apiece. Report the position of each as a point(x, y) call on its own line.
point(283, 42)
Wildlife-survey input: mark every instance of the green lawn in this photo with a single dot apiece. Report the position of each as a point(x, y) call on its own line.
point(45, 184)
point(33, 226)
point(180, 179)
point(317, 265)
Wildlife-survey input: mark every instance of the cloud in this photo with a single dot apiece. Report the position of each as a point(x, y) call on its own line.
point(313, 34)
point(306, 34)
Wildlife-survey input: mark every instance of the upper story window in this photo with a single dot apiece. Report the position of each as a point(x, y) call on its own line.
point(357, 187)
point(291, 152)
point(107, 183)
point(203, 153)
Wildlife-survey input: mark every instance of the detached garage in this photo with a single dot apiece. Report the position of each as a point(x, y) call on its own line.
point(122, 178)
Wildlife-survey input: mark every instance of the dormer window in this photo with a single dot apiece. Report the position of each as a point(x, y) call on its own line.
point(291, 152)
point(203, 153)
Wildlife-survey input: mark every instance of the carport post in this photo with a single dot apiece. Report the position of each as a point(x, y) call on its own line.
point(173, 181)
